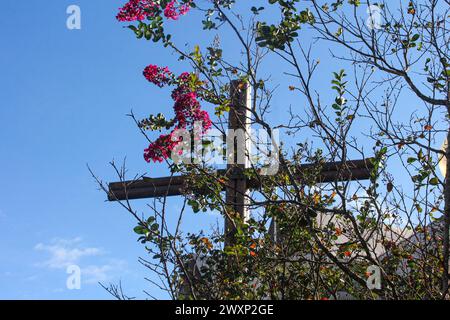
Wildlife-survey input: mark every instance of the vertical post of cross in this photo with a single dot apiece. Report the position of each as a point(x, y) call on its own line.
point(238, 143)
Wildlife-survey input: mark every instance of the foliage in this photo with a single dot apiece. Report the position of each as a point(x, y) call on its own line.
point(310, 239)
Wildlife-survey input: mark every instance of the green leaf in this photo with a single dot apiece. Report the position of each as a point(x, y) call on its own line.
point(140, 230)
point(336, 107)
point(434, 181)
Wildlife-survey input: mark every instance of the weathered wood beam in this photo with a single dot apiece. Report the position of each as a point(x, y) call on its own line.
point(236, 190)
point(173, 186)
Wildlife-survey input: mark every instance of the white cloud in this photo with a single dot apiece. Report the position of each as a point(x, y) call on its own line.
point(103, 273)
point(66, 252)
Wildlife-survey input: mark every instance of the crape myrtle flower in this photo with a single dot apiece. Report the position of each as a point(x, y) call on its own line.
point(187, 108)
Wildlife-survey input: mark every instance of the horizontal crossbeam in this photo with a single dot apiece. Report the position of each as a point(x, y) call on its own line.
point(173, 186)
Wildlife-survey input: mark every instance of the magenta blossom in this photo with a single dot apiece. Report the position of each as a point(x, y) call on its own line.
point(173, 12)
point(157, 75)
point(138, 10)
point(187, 109)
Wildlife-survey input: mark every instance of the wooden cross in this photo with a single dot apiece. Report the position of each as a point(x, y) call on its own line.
point(238, 185)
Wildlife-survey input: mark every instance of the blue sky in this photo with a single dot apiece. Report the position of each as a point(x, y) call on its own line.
point(64, 96)
point(64, 99)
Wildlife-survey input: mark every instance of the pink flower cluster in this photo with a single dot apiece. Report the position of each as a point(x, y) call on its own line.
point(156, 75)
point(187, 112)
point(161, 148)
point(187, 109)
point(173, 12)
point(137, 10)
